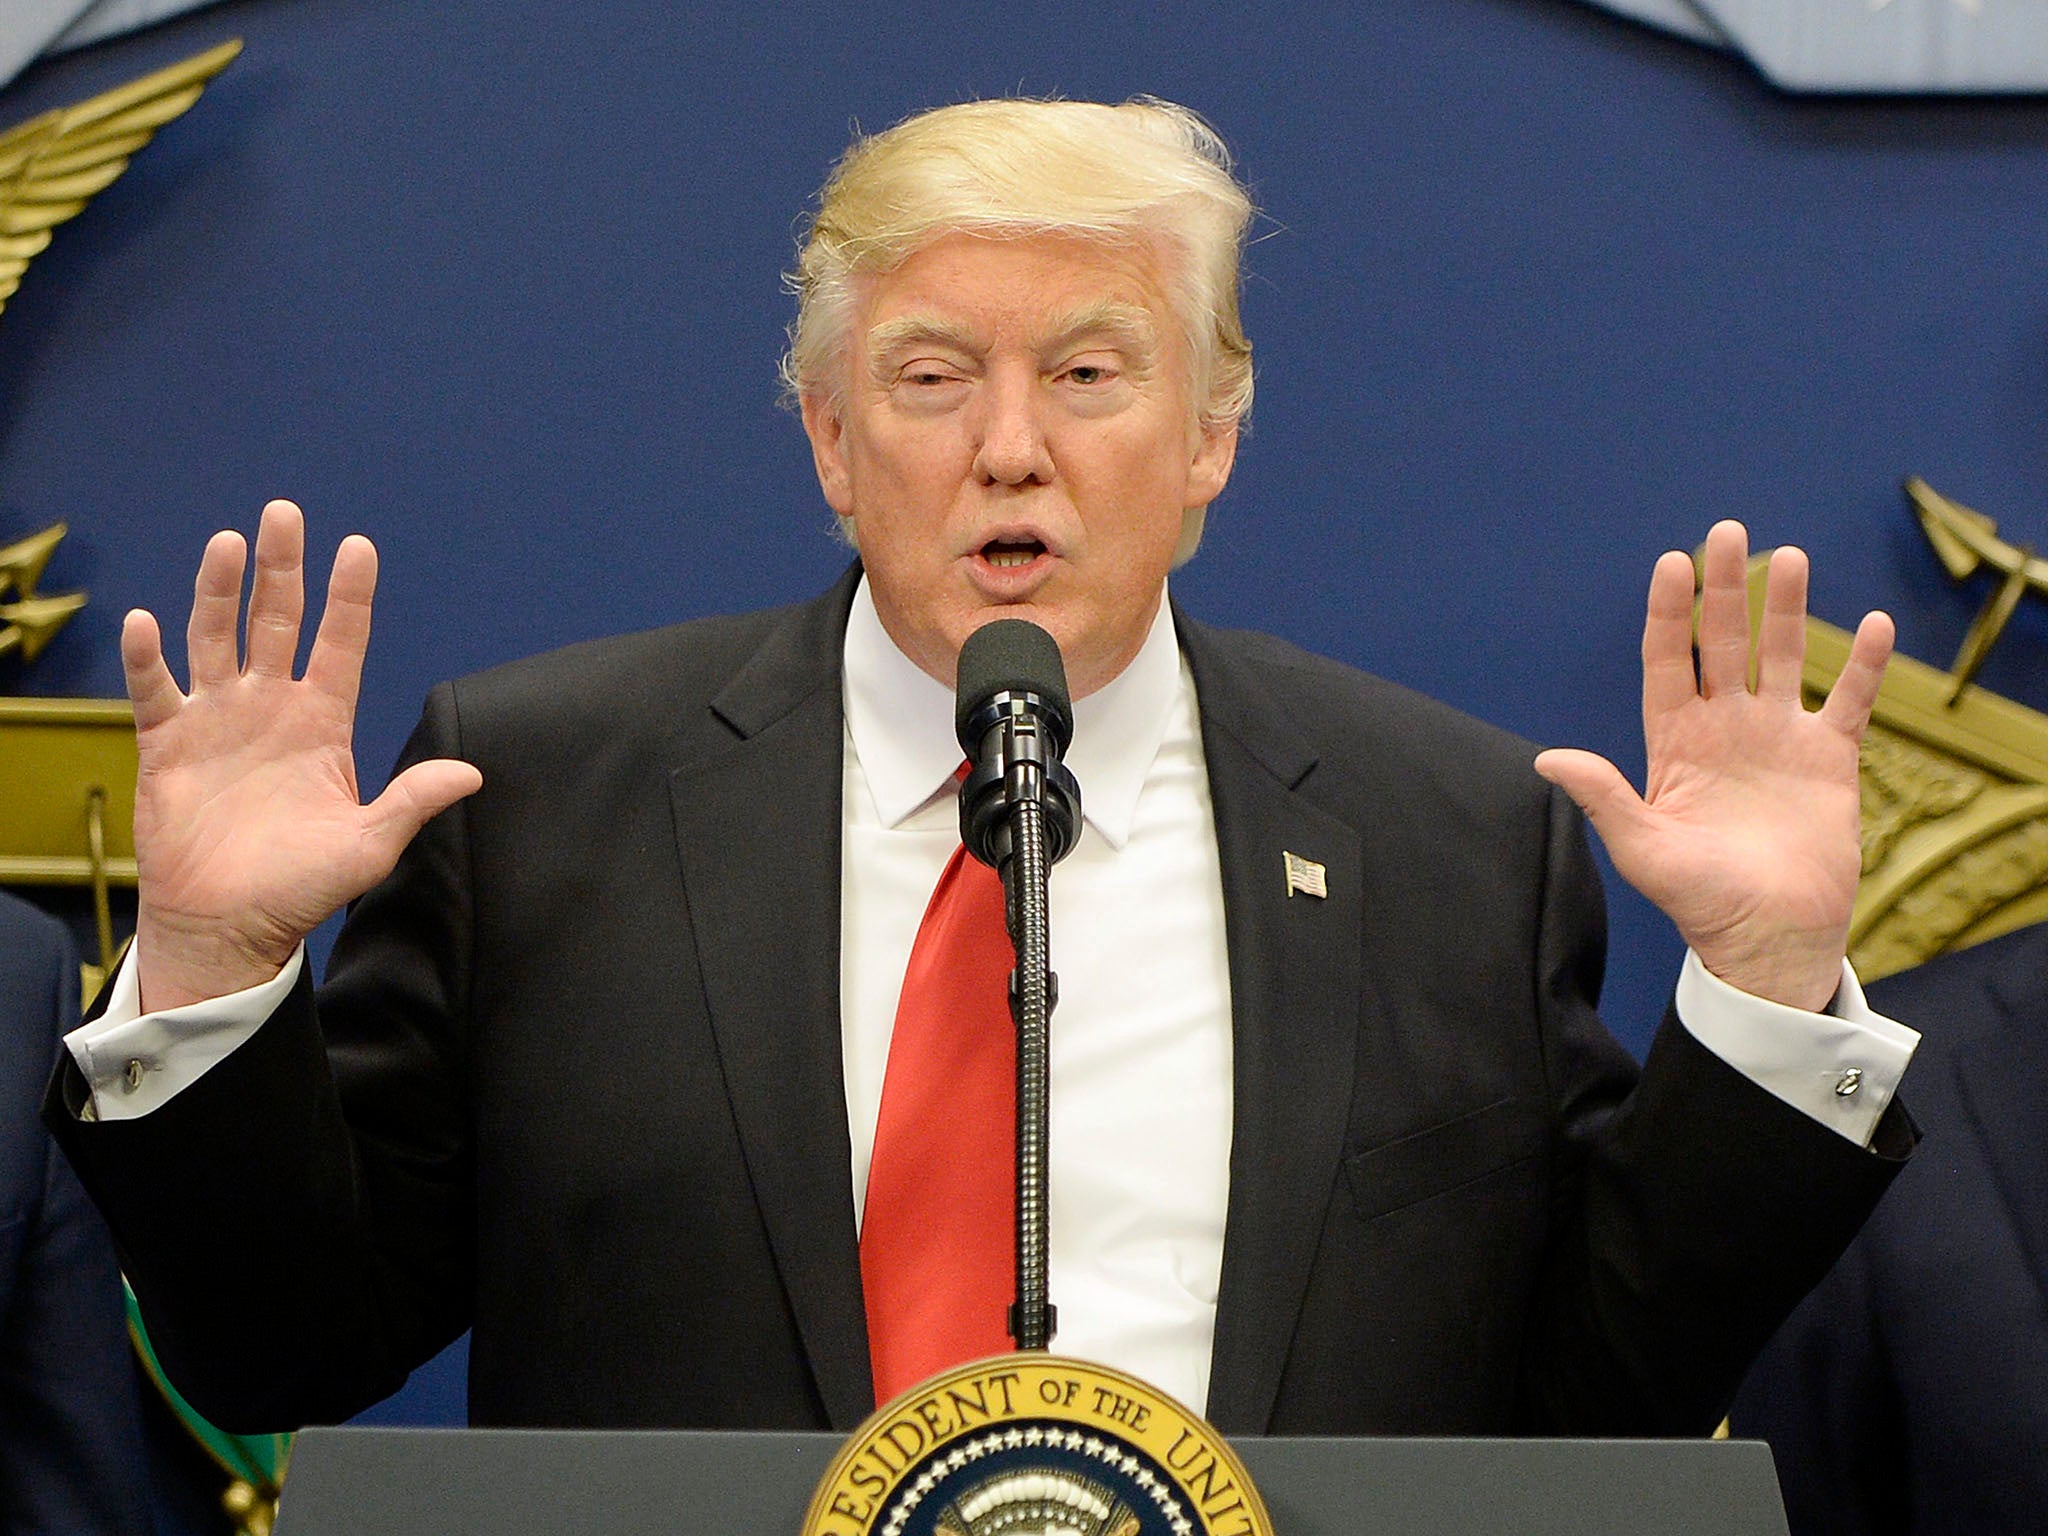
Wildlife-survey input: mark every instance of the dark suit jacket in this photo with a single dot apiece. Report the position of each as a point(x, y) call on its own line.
point(1910, 1391)
point(585, 1088)
point(71, 1452)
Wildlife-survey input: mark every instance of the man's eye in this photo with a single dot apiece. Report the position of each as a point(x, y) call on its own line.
point(1088, 375)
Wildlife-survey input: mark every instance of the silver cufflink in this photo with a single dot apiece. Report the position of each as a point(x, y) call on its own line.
point(1847, 1084)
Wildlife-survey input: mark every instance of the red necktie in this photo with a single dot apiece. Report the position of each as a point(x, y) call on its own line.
point(938, 1233)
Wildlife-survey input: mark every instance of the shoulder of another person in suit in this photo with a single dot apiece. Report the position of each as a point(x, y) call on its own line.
point(2000, 985)
point(34, 946)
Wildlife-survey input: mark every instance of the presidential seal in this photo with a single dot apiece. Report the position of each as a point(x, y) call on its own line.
point(1035, 1445)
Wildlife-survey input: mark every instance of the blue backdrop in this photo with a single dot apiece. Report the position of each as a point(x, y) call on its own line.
point(1537, 294)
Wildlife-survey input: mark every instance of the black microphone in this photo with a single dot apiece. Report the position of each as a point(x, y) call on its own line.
point(1020, 811)
point(1014, 723)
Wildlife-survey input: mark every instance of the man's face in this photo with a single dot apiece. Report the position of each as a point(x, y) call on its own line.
point(1017, 439)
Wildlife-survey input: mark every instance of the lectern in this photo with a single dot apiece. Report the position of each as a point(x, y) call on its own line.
point(413, 1482)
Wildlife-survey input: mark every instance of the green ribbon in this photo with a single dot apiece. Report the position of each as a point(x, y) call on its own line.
point(258, 1460)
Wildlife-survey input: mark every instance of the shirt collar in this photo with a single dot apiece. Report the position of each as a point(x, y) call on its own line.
point(901, 722)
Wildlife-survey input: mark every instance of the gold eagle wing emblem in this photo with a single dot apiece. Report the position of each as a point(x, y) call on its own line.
point(53, 164)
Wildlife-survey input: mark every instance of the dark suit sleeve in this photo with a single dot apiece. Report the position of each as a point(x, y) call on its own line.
point(338, 1140)
point(1690, 1217)
point(71, 1454)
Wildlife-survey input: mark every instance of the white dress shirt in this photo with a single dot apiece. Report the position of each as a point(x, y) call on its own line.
point(1141, 1045)
point(1139, 1142)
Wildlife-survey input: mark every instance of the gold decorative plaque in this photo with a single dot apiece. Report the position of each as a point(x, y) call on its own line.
point(1029, 1443)
point(1955, 799)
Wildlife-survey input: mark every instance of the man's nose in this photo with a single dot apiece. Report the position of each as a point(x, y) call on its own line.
point(1013, 448)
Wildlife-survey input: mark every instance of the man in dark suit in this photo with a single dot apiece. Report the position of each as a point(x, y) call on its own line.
point(601, 1045)
point(71, 1451)
point(1909, 1392)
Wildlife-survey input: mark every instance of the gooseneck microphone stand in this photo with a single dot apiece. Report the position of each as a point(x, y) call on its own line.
point(1020, 811)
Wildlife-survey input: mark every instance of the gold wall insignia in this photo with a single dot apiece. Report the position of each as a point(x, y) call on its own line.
point(1954, 777)
point(29, 620)
point(53, 164)
point(67, 766)
point(1966, 542)
point(67, 800)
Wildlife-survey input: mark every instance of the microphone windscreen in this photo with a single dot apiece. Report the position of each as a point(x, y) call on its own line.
point(1009, 656)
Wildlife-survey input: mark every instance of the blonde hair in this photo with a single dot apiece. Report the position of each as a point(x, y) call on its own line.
point(1144, 169)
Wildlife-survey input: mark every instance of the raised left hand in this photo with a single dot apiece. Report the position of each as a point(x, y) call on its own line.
point(1746, 832)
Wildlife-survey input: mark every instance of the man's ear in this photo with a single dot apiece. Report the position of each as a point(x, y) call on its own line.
point(826, 429)
point(1209, 471)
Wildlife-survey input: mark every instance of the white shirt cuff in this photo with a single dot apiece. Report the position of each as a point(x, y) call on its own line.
point(1840, 1067)
point(135, 1062)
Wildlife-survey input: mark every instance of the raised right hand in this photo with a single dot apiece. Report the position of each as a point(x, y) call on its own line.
point(249, 831)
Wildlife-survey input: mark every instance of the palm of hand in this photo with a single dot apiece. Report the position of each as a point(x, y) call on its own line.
point(1753, 806)
point(239, 794)
point(1746, 833)
point(249, 829)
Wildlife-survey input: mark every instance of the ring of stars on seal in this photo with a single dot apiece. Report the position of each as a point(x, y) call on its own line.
point(1035, 1445)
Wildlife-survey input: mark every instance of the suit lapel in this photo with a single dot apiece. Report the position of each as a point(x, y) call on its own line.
point(758, 832)
point(1294, 983)
point(2001, 1079)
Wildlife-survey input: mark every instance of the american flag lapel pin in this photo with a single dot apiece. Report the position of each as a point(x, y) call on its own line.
point(1306, 876)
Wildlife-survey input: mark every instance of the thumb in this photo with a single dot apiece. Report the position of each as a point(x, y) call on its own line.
point(1598, 788)
point(415, 798)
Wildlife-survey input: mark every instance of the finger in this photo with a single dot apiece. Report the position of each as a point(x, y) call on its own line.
point(1724, 612)
point(1855, 691)
point(151, 688)
point(336, 664)
point(277, 600)
point(210, 650)
point(1599, 789)
point(1781, 639)
point(412, 800)
point(1667, 637)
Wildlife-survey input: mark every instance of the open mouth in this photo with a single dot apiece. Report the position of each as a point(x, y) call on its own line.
point(1007, 554)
